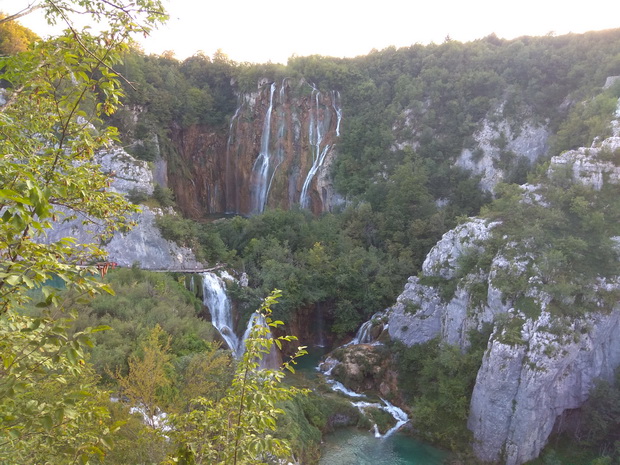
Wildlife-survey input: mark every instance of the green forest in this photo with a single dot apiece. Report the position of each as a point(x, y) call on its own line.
point(126, 367)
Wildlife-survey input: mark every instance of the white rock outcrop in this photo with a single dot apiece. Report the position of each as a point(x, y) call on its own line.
point(142, 245)
point(530, 143)
point(521, 390)
point(537, 365)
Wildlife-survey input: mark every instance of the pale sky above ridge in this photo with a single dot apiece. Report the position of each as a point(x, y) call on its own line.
point(262, 31)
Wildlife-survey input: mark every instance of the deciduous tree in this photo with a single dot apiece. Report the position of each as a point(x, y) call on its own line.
point(49, 133)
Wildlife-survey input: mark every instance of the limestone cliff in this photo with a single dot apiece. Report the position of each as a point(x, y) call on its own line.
point(500, 148)
point(545, 350)
point(143, 244)
point(280, 143)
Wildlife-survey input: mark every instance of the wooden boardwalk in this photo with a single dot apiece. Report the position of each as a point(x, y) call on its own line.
point(184, 270)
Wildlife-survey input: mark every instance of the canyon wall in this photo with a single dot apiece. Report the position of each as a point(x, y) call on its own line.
point(539, 362)
point(280, 142)
point(143, 244)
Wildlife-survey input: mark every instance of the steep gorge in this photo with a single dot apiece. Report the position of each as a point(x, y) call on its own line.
point(552, 337)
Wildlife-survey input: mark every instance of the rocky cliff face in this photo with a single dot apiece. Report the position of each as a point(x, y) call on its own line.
point(538, 363)
point(280, 143)
point(143, 244)
point(500, 147)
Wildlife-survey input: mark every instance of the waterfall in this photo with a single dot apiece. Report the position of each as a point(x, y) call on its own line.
point(228, 175)
point(316, 133)
point(398, 414)
point(270, 360)
point(216, 300)
point(363, 335)
point(400, 417)
point(320, 325)
point(280, 133)
point(337, 109)
point(260, 170)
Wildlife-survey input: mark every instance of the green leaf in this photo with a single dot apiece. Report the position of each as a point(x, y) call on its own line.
point(47, 422)
point(13, 280)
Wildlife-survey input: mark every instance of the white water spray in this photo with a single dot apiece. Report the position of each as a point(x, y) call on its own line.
point(363, 335)
point(215, 298)
point(315, 138)
point(260, 170)
point(268, 361)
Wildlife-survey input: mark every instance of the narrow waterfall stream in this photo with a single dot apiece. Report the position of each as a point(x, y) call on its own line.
point(316, 131)
point(230, 176)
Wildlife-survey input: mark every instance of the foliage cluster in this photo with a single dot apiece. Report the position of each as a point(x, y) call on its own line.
point(52, 408)
point(564, 239)
point(437, 381)
point(14, 38)
point(141, 301)
point(57, 91)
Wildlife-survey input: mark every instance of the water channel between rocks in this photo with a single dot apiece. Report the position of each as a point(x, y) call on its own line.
point(351, 446)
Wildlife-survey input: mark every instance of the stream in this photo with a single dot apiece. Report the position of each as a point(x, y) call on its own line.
point(351, 446)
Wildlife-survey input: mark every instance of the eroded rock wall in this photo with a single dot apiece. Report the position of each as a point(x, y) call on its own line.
point(539, 363)
point(279, 146)
point(144, 244)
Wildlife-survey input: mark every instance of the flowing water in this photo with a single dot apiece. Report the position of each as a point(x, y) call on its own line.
point(260, 171)
point(216, 300)
point(316, 131)
point(355, 447)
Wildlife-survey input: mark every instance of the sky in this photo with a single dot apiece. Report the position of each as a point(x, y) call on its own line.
point(262, 31)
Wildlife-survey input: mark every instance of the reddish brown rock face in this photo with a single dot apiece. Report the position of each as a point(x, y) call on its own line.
point(279, 144)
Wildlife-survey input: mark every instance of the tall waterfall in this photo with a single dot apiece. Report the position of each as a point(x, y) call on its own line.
point(216, 300)
point(280, 140)
point(260, 170)
point(315, 138)
point(337, 109)
point(230, 175)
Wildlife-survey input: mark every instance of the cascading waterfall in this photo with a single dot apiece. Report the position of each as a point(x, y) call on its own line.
point(315, 138)
point(260, 170)
point(230, 173)
point(280, 133)
point(280, 139)
point(216, 300)
point(364, 336)
point(398, 414)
